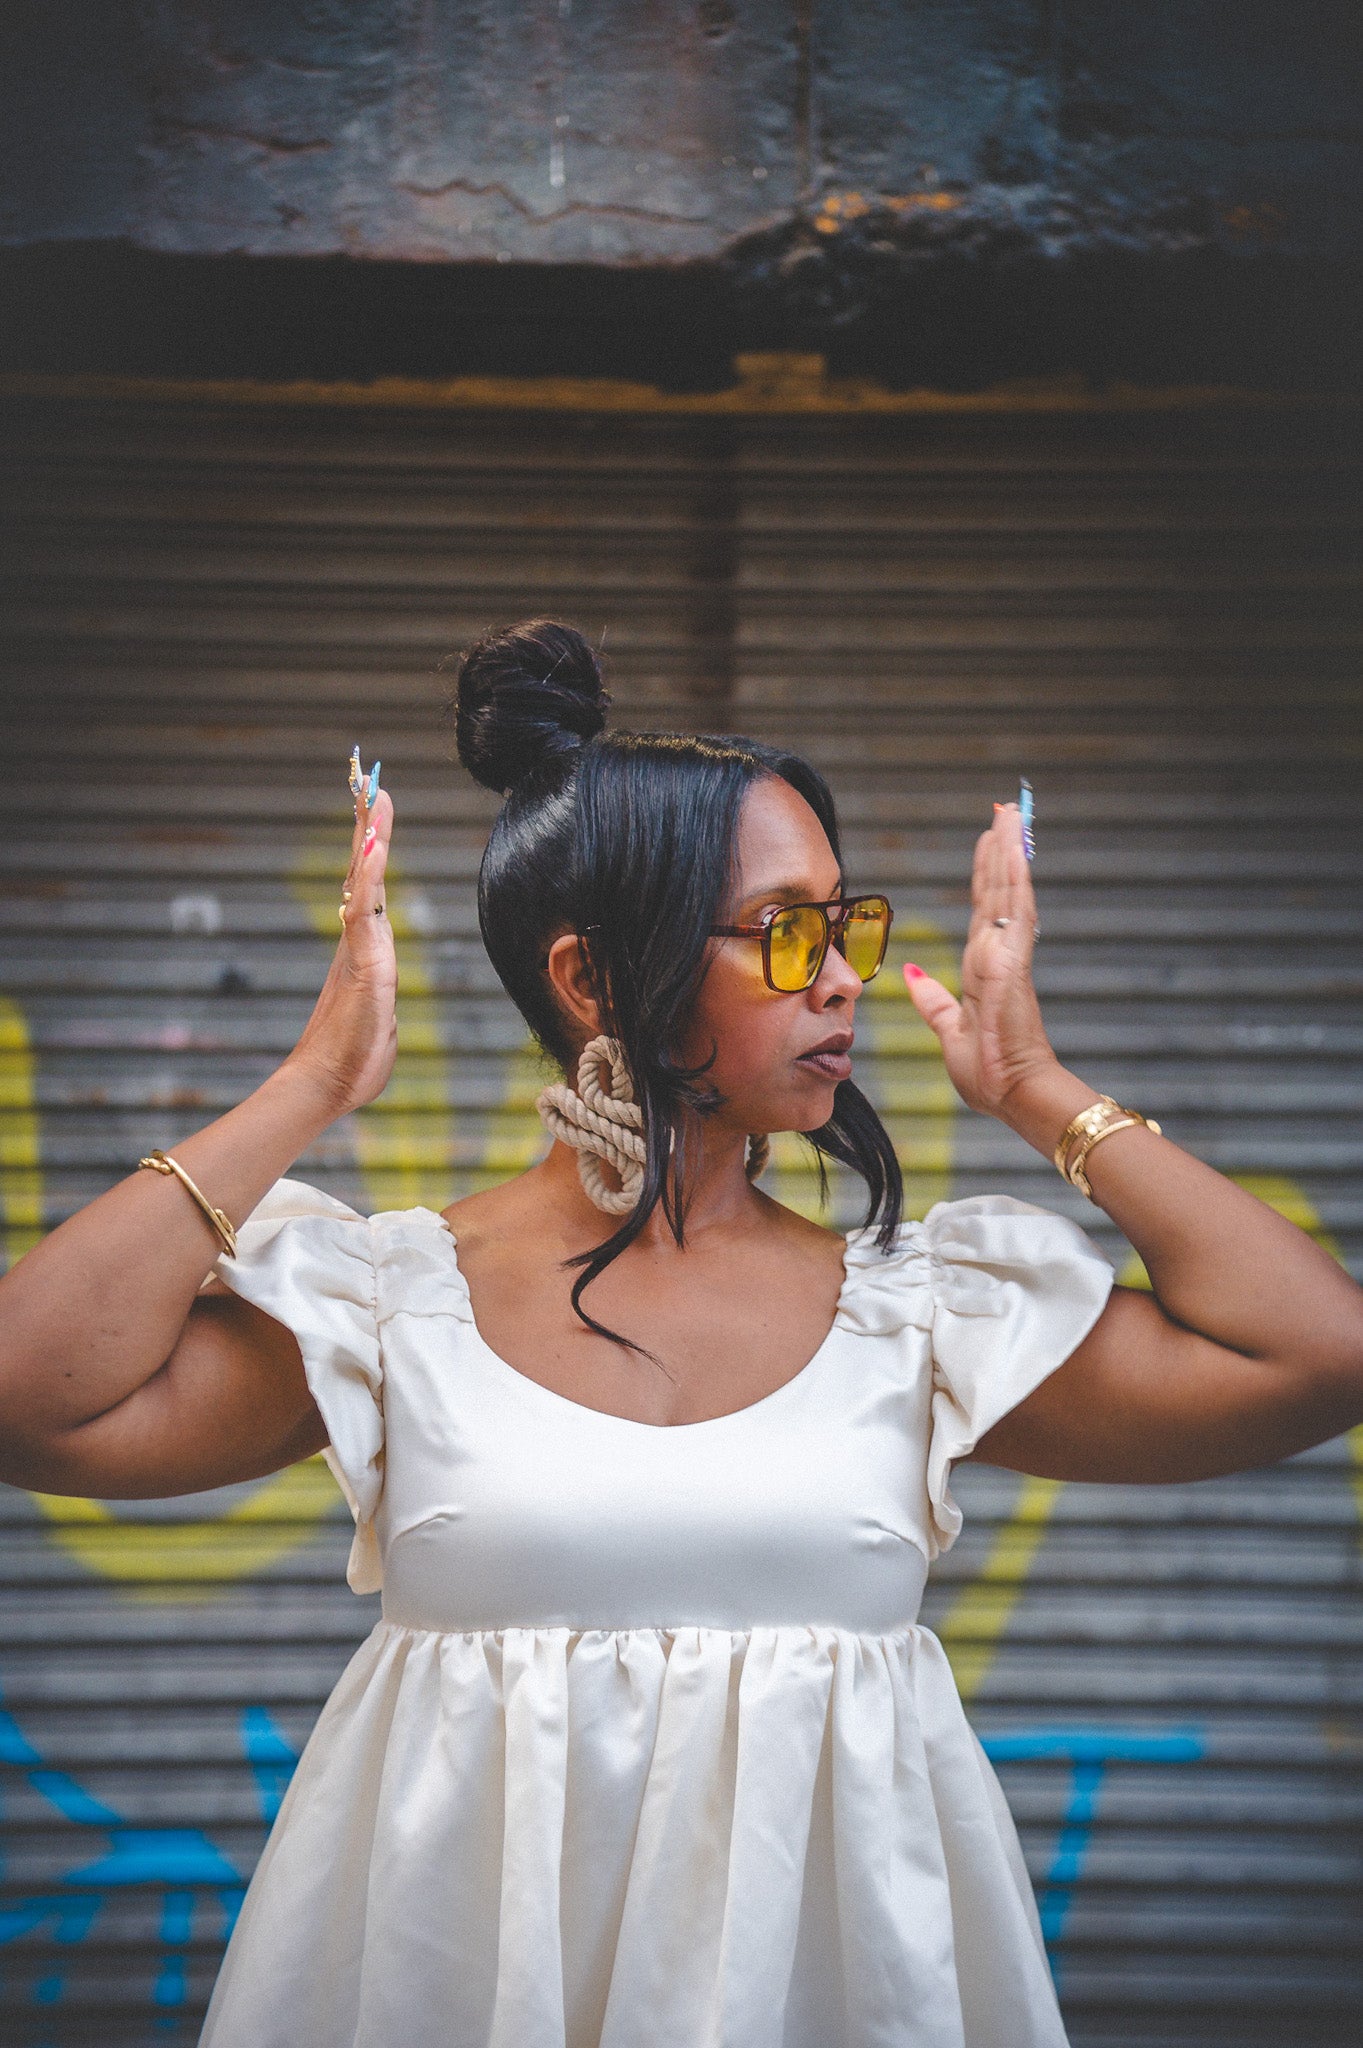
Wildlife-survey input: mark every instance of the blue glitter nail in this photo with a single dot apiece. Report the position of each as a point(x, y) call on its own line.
point(1025, 806)
point(356, 774)
point(373, 788)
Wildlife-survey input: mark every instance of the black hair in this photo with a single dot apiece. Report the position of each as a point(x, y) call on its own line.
point(626, 838)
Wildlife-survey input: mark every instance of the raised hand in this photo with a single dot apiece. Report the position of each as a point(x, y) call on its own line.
point(993, 1038)
point(350, 1041)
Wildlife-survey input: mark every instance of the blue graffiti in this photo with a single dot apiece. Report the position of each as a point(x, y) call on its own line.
point(1089, 1751)
point(185, 1863)
point(182, 1862)
point(272, 1758)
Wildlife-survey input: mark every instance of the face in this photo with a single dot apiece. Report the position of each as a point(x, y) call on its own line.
point(778, 1058)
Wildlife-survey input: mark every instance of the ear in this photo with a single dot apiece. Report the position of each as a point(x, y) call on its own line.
point(571, 980)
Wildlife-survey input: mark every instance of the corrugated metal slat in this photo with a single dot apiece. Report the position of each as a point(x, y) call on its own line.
point(1156, 617)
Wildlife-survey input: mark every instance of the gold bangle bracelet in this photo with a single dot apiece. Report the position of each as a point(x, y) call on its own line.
point(1077, 1174)
point(1090, 1119)
point(161, 1162)
point(1088, 1129)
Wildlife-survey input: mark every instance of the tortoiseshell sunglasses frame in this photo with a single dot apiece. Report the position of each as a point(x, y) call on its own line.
point(835, 912)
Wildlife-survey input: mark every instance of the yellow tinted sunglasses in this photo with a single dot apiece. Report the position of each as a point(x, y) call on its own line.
point(796, 938)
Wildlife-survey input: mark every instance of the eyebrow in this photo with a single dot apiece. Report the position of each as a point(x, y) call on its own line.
point(789, 892)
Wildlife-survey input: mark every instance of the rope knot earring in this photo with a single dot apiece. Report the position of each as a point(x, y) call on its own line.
point(601, 1121)
point(604, 1125)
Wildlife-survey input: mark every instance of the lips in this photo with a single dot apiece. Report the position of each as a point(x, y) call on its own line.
point(831, 1058)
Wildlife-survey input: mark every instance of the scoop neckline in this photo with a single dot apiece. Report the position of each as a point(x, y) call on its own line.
point(630, 1421)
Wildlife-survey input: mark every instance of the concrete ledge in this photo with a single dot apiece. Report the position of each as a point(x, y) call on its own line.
point(968, 314)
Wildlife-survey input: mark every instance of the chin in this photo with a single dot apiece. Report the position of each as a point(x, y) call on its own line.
point(815, 1111)
point(805, 1108)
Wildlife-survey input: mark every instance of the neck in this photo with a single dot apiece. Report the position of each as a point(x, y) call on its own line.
point(719, 1195)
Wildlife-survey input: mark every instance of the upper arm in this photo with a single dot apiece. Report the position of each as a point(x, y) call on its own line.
point(230, 1403)
point(1144, 1398)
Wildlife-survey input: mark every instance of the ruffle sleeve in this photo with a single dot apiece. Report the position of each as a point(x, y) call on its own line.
point(1006, 1290)
point(308, 1261)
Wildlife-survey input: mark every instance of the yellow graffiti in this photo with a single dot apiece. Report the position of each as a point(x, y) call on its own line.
point(198, 1559)
point(405, 1142)
point(21, 1179)
point(973, 1629)
point(195, 1560)
point(975, 1623)
point(203, 1556)
point(518, 1139)
point(972, 1632)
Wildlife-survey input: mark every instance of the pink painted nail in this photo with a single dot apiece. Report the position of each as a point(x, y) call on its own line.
point(369, 838)
point(912, 972)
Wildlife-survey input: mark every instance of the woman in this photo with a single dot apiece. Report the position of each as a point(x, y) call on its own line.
point(648, 1747)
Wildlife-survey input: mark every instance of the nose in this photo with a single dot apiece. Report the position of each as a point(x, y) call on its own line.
point(836, 982)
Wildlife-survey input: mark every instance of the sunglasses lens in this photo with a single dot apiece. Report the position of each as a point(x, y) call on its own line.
point(864, 936)
point(798, 942)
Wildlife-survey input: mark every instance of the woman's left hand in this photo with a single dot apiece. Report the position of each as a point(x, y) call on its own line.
point(993, 1038)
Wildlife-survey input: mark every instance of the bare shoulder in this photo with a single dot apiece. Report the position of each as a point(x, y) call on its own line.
point(805, 1239)
point(494, 1213)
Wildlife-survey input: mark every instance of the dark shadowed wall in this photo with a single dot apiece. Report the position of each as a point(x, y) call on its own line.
point(936, 190)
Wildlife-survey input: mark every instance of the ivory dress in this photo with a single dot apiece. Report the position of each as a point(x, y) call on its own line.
point(648, 1749)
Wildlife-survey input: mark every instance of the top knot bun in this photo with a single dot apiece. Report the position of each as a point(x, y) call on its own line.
point(523, 698)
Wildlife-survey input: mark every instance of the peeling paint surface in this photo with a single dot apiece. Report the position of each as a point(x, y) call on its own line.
point(597, 131)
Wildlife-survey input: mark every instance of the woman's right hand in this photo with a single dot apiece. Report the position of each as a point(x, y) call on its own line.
point(183, 1391)
point(350, 1041)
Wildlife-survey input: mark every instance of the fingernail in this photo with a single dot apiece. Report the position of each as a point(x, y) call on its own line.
point(356, 772)
point(369, 838)
point(373, 788)
point(912, 972)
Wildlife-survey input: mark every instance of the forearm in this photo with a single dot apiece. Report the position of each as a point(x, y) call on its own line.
point(1220, 1262)
point(91, 1313)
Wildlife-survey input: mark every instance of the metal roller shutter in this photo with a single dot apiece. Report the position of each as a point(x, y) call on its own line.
point(1152, 610)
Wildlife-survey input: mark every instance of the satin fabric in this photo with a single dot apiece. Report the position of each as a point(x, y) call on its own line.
point(648, 1749)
